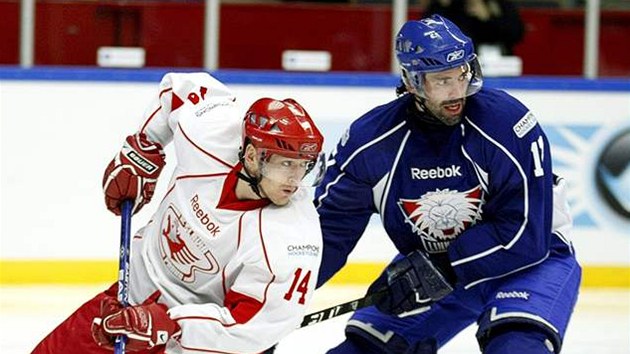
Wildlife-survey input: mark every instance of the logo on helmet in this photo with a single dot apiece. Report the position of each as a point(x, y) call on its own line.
point(431, 22)
point(404, 46)
point(456, 55)
point(309, 147)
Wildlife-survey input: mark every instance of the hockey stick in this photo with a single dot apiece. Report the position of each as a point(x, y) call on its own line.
point(431, 279)
point(341, 309)
point(123, 266)
point(334, 311)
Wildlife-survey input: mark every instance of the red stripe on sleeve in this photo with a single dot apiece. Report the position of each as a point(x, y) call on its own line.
point(150, 118)
point(242, 307)
point(165, 91)
point(202, 150)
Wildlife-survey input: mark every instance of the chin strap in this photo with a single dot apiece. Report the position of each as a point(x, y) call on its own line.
point(423, 113)
point(252, 181)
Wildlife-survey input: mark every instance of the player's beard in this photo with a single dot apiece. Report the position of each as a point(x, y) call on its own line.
point(448, 112)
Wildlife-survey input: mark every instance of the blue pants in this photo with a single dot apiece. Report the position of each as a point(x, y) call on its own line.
point(542, 298)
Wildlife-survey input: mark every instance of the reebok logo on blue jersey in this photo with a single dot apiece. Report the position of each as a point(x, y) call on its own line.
point(436, 173)
point(512, 295)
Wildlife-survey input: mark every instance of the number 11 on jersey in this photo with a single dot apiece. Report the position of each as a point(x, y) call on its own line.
point(538, 151)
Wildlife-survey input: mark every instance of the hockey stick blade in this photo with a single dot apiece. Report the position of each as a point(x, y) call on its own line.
point(341, 309)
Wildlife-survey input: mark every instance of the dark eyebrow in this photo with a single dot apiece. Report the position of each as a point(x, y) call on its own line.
point(441, 77)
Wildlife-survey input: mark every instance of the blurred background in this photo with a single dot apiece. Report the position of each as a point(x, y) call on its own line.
point(254, 34)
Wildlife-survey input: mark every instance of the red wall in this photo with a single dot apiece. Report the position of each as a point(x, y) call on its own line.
point(253, 36)
point(554, 42)
point(9, 32)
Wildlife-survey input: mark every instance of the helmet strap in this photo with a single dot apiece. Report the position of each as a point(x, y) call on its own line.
point(247, 176)
point(254, 182)
point(425, 114)
point(401, 89)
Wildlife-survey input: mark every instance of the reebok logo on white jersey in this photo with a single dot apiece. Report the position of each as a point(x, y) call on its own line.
point(436, 173)
point(203, 216)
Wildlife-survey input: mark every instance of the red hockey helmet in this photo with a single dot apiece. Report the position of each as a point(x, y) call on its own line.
point(282, 127)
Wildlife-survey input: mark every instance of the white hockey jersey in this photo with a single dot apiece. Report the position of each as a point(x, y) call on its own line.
point(237, 276)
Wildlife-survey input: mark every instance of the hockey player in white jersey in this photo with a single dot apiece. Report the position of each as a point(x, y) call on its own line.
point(229, 261)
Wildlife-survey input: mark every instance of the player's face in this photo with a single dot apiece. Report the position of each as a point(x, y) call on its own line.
point(281, 177)
point(446, 94)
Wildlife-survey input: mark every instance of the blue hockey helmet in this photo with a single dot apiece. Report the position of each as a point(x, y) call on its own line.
point(435, 44)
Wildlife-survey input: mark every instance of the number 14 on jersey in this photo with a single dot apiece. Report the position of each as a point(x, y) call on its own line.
point(300, 285)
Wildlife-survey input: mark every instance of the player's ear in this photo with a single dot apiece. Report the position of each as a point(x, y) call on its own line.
point(251, 158)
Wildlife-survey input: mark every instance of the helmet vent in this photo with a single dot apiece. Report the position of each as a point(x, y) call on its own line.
point(430, 62)
point(275, 129)
point(283, 145)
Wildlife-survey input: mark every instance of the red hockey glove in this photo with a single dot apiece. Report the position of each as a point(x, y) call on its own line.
point(133, 172)
point(145, 326)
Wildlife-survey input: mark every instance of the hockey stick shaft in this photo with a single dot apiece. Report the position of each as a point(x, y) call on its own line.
point(123, 265)
point(341, 309)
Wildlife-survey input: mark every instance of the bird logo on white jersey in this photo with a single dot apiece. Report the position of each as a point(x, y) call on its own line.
point(439, 217)
point(177, 247)
point(184, 253)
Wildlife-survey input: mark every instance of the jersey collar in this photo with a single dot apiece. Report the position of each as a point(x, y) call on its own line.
point(228, 194)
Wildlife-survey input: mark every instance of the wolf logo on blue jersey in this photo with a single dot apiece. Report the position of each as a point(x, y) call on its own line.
point(439, 217)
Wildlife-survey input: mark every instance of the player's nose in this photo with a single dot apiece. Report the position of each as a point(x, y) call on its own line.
point(457, 92)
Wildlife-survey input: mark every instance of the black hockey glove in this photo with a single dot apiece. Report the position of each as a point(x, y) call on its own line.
point(409, 284)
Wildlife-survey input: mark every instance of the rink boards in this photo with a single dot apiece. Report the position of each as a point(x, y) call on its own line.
point(61, 126)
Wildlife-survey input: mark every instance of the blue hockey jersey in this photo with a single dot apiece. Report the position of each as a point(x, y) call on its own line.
point(477, 194)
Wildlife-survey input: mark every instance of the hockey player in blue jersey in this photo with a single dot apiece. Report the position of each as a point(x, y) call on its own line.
point(461, 177)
